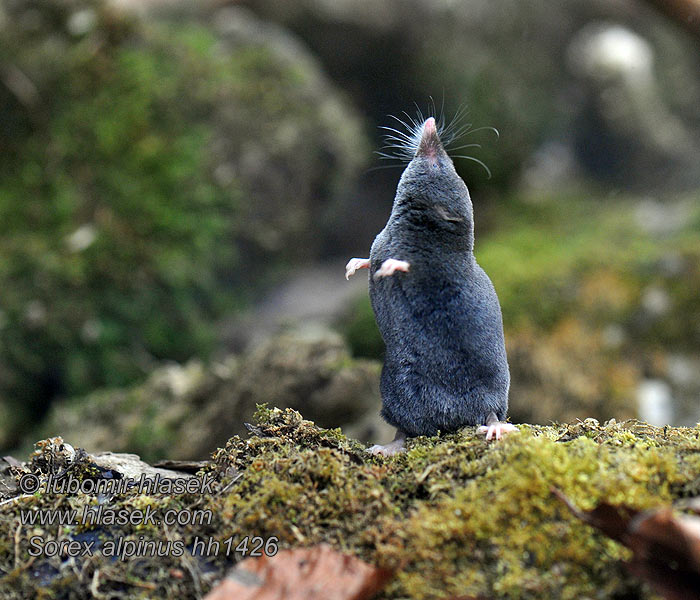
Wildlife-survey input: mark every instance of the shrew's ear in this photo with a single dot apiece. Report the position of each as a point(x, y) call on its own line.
point(448, 215)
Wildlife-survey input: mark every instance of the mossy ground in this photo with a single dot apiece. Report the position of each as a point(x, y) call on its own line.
point(453, 515)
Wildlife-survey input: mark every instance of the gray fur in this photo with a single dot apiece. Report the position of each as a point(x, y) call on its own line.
point(445, 363)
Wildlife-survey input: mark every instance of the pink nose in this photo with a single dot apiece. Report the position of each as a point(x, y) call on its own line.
point(430, 146)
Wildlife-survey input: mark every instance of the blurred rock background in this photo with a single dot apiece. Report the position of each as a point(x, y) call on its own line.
point(181, 184)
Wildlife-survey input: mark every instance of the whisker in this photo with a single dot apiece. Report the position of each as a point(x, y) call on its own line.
point(486, 128)
point(382, 167)
point(462, 147)
point(476, 160)
point(401, 141)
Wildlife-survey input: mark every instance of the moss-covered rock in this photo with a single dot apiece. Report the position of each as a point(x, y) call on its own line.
point(186, 411)
point(454, 515)
point(153, 171)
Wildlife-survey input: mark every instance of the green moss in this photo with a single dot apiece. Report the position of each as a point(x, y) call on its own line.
point(504, 535)
point(454, 515)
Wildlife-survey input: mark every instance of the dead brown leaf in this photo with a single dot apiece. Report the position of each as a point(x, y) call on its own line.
point(302, 574)
point(666, 545)
point(612, 520)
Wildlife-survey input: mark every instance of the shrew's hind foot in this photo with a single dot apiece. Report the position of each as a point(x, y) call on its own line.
point(394, 447)
point(495, 429)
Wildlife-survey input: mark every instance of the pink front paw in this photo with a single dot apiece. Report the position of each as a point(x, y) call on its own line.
point(354, 264)
point(390, 266)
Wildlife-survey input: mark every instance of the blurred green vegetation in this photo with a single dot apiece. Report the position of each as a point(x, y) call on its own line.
point(576, 255)
point(113, 235)
point(595, 258)
point(160, 170)
point(596, 293)
point(123, 210)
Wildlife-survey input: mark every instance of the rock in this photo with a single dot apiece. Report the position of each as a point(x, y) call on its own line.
point(655, 402)
point(638, 135)
point(371, 427)
point(310, 370)
point(185, 411)
point(8, 483)
point(132, 467)
point(515, 61)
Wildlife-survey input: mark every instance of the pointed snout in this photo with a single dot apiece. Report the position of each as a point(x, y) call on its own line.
point(430, 145)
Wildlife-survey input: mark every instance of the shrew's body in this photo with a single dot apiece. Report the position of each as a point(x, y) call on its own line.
point(436, 308)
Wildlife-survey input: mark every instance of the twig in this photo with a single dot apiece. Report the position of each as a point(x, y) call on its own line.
point(16, 498)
